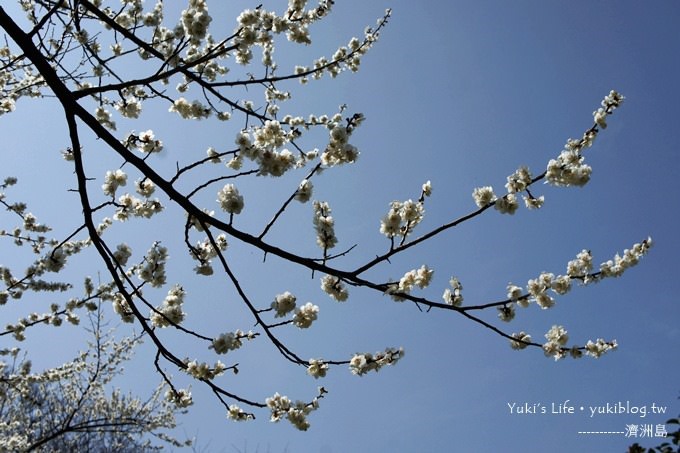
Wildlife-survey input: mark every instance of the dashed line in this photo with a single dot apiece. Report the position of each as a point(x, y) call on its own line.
point(601, 432)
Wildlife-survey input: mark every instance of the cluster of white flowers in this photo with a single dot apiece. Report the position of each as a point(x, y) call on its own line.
point(454, 296)
point(190, 110)
point(617, 266)
point(31, 224)
point(230, 200)
point(520, 340)
point(304, 191)
point(122, 254)
point(317, 368)
point(324, 226)
point(113, 180)
point(129, 107)
point(334, 287)
point(237, 414)
point(361, 364)
point(609, 104)
point(305, 315)
point(129, 205)
point(230, 341)
point(145, 187)
point(416, 277)
point(581, 266)
point(196, 224)
point(578, 268)
point(153, 268)
point(569, 169)
point(339, 150)
point(402, 218)
point(204, 371)
point(104, 117)
point(483, 196)
point(204, 251)
point(557, 339)
point(7, 105)
point(268, 138)
point(180, 398)
point(507, 204)
point(145, 142)
point(56, 259)
point(122, 308)
point(275, 163)
point(599, 347)
point(346, 57)
point(506, 313)
point(538, 289)
point(283, 304)
point(296, 413)
point(519, 180)
point(195, 20)
point(170, 312)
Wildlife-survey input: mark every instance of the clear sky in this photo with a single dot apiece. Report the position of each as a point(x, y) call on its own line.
point(459, 93)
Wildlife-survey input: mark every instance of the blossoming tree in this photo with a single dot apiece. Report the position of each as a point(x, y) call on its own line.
point(109, 63)
point(70, 408)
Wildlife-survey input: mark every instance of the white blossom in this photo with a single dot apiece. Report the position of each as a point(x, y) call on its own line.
point(483, 196)
point(283, 304)
point(305, 315)
point(334, 287)
point(230, 200)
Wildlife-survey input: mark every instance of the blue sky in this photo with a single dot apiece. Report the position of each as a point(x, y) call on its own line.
point(460, 93)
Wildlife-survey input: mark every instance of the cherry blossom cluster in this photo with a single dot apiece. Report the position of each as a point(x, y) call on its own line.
point(557, 339)
point(113, 180)
point(190, 110)
point(145, 142)
point(283, 304)
point(304, 191)
point(324, 224)
point(539, 289)
point(122, 308)
point(317, 368)
point(181, 398)
point(598, 347)
point(556, 345)
point(204, 251)
point(296, 413)
point(131, 206)
point(361, 364)
point(203, 371)
point(485, 195)
point(334, 287)
point(153, 269)
point(520, 340)
point(231, 341)
point(305, 315)
point(195, 20)
point(454, 295)
point(81, 389)
point(237, 414)
point(230, 199)
point(402, 218)
point(170, 312)
point(346, 57)
point(339, 151)
point(568, 169)
point(420, 277)
point(618, 265)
